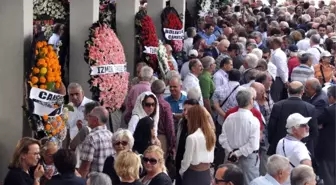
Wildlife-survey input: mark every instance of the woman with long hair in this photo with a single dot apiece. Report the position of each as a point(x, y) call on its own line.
point(199, 153)
point(26, 155)
point(146, 105)
point(127, 166)
point(144, 135)
point(154, 163)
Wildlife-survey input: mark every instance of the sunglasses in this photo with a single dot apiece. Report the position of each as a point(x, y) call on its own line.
point(152, 161)
point(149, 104)
point(124, 143)
point(218, 180)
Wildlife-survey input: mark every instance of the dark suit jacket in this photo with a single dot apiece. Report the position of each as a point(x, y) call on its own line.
point(66, 179)
point(325, 148)
point(320, 101)
point(277, 123)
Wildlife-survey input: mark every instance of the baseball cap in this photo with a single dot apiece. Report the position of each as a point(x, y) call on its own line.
point(293, 48)
point(296, 119)
point(193, 53)
point(325, 54)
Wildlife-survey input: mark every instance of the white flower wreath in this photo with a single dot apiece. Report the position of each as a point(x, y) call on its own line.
point(51, 8)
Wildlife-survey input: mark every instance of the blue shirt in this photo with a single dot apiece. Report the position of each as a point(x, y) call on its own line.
point(176, 106)
point(264, 180)
point(208, 39)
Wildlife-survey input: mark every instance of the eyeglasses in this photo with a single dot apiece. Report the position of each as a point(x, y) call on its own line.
point(303, 125)
point(124, 143)
point(218, 180)
point(35, 154)
point(149, 104)
point(152, 161)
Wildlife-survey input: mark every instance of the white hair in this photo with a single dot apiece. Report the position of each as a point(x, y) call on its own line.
point(178, 79)
point(275, 163)
point(302, 174)
point(258, 52)
point(251, 60)
point(146, 73)
point(207, 61)
point(305, 18)
point(253, 91)
point(97, 178)
point(194, 93)
point(284, 24)
point(123, 134)
point(74, 85)
point(172, 74)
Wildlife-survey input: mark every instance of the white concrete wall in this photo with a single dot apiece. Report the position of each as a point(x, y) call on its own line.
point(125, 20)
point(180, 7)
point(16, 18)
point(191, 5)
point(82, 14)
point(154, 10)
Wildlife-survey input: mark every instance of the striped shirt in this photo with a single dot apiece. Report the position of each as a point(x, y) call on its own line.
point(96, 147)
point(302, 73)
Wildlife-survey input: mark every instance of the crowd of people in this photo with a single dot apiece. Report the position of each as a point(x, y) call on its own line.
point(254, 100)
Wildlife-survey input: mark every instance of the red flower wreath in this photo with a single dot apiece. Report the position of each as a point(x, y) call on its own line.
point(172, 21)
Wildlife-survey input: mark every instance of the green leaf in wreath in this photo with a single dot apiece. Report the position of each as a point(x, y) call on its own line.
point(70, 108)
point(50, 86)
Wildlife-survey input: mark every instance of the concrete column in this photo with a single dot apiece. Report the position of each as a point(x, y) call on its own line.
point(191, 5)
point(154, 9)
point(125, 20)
point(83, 13)
point(15, 39)
point(180, 6)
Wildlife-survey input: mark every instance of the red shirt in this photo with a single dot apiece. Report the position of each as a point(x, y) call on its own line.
point(292, 63)
point(254, 111)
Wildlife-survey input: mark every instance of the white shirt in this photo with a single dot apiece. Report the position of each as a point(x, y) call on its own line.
point(132, 124)
point(184, 70)
point(221, 79)
point(77, 114)
point(295, 150)
point(316, 51)
point(279, 59)
point(53, 40)
point(188, 45)
point(303, 45)
point(241, 130)
point(272, 69)
point(191, 81)
point(196, 151)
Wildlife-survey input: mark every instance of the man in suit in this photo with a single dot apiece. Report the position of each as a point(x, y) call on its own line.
point(316, 96)
point(280, 112)
point(325, 149)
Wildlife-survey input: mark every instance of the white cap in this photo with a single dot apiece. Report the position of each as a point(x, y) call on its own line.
point(325, 54)
point(193, 53)
point(296, 119)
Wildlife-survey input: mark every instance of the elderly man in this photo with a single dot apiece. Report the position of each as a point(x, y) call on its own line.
point(318, 98)
point(304, 71)
point(304, 45)
point(281, 110)
point(303, 174)
point(137, 79)
point(193, 54)
point(278, 171)
point(166, 131)
point(97, 146)
point(291, 145)
point(279, 59)
point(250, 63)
point(188, 42)
point(146, 75)
point(258, 38)
point(205, 81)
point(177, 98)
point(229, 173)
point(325, 148)
point(241, 136)
point(171, 58)
point(223, 50)
point(191, 80)
point(76, 118)
point(315, 48)
point(221, 78)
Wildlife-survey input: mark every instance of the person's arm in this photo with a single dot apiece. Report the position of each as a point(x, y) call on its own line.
point(306, 162)
point(205, 88)
point(84, 168)
point(223, 137)
point(271, 127)
point(86, 156)
point(253, 141)
point(282, 68)
point(187, 157)
point(133, 123)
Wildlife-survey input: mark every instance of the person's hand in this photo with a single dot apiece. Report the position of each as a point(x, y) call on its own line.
point(79, 124)
point(49, 173)
point(39, 171)
point(77, 173)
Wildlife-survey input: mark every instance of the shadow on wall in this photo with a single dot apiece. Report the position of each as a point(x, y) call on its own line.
point(5, 157)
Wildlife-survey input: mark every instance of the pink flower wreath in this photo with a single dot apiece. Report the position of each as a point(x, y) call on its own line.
point(104, 48)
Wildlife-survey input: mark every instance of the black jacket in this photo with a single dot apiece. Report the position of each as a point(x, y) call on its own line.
point(110, 171)
point(320, 101)
point(16, 176)
point(325, 148)
point(66, 179)
point(161, 179)
point(277, 123)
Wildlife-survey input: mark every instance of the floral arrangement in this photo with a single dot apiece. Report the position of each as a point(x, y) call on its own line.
point(104, 48)
point(107, 12)
point(49, 9)
point(204, 6)
point(47, 72)
point(146, 37)
point(46, 76)
point(163, 60)
point(170, 19)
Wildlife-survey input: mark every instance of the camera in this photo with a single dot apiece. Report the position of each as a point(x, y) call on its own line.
point(232, 158)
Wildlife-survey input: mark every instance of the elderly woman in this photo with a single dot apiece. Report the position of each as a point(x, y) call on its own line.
point(122, 141)
point(146, 105)
point(154, 164)
point(26, 155)
point(49, 148)
point(127, 166)
point(96, 178)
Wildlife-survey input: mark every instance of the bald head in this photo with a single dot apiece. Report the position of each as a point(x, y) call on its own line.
point(259, 88)
point(101, 113)
point(295, 88)
point(227, 31)
point(223, 45)
point(313, 86)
